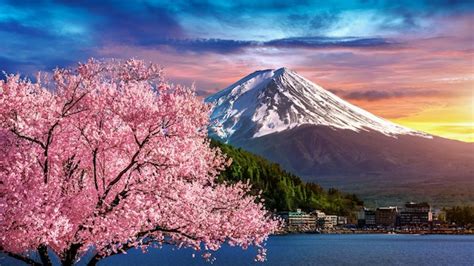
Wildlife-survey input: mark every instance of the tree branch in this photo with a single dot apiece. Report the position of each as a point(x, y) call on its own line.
point(124, 171)
point(161, 229)
point(123, 194)
point(18, 134)
point(94, 164)
point(46, 150)
point(72, 103)
point(130, 245)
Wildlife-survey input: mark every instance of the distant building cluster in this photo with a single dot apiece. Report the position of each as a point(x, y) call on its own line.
point(302, 221)
point(411, 214)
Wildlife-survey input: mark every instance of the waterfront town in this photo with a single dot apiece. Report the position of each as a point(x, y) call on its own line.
point(411, 218)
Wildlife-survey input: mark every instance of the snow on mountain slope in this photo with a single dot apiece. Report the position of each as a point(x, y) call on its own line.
point(270, 101)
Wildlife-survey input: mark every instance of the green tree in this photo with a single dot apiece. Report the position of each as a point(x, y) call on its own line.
point(282, 190)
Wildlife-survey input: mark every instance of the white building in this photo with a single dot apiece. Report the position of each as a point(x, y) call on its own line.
point(341, 220)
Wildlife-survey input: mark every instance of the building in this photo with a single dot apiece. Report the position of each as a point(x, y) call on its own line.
point(386, 216)
point(360, 214)
point(332, 219)
point(320, 218)
point(299, 219)
point(369, 217)
point(341, 220)
point(328, 221)
point(318, 214)
point(325, 222)
point(416, 214)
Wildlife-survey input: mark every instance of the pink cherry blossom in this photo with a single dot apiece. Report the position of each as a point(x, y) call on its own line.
point(110, 157)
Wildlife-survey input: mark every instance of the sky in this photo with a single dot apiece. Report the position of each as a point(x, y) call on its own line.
point(411, 62)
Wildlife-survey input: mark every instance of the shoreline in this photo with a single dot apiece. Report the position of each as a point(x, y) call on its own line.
point(381, 232)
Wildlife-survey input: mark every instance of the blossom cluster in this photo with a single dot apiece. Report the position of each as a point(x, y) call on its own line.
point(111, 157)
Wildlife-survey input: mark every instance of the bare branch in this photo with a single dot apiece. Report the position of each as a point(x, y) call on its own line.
point(49, 140)
point(124, 171)
point(18, 134)
point(67, 108)
point(94, 165)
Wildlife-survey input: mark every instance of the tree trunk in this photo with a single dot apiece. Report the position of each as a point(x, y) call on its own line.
point(70, 255)
point(93, 261)
point(43, 253)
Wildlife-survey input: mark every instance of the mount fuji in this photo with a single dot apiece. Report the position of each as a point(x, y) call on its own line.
point(271, 101)
point(313, 133)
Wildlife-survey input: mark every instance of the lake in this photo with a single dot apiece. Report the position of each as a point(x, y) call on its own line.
point(305, 249)
point(327, 250)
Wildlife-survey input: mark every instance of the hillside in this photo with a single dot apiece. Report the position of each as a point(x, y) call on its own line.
point(283, 190)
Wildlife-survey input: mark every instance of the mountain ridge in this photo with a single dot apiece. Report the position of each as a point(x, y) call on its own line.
point(314, 134)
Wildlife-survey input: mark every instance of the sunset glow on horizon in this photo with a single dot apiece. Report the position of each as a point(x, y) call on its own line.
point(411, 62)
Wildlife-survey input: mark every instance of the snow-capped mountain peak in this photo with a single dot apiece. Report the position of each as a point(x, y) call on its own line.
point(270, 101)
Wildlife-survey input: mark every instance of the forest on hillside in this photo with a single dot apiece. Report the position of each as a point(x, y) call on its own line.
point(460, 215)
point(282, 190)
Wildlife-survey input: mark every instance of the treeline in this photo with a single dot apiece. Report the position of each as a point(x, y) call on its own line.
point(282, 190)
point(460, 215)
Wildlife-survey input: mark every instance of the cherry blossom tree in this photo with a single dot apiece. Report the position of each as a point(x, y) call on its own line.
point(108, 157)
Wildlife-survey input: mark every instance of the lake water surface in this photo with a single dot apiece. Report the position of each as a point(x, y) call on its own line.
point(319, 250)
point(326, 250)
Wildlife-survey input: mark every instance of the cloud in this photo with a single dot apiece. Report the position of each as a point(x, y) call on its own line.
point(223, 46)
point(218, 46)
point(377, 95)
point(56, 32)
point(323, 42)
